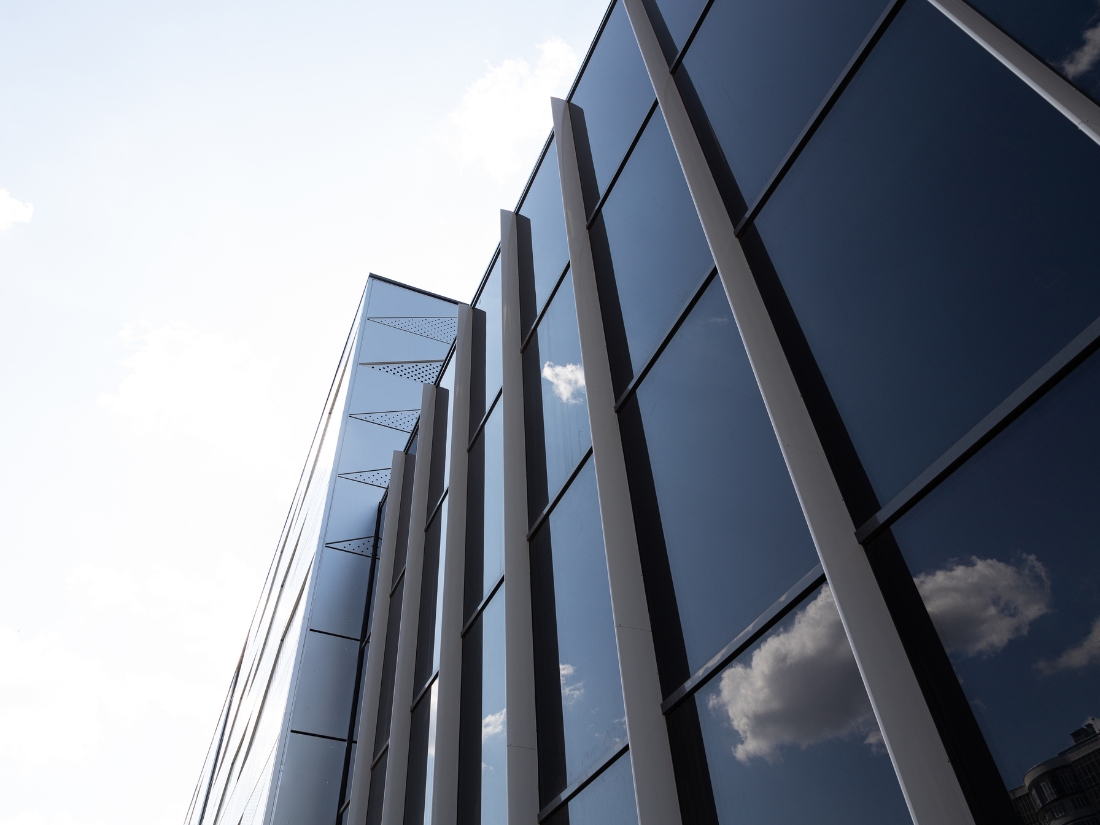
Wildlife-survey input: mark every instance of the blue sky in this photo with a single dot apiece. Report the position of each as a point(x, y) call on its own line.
point(191, 197)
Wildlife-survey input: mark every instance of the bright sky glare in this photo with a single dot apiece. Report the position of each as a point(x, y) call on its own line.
point(191, 197)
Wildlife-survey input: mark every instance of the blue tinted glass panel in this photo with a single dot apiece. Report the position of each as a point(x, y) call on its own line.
point(655, 251)
point(733, 529)
point(609, 800)
point(564, 402)
point(493, 434)
point(789, 732)
point(542, 206)
point(937, 242)
point(614, 94)
point(494, 756)
point(1004, 555)
point(1065, 34)
point(591, 692)
point(673, 21)
point(490, 303)
point(447, 381)
point(762, 69)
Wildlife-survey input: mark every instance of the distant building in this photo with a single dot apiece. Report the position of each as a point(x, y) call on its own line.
point(757, 482)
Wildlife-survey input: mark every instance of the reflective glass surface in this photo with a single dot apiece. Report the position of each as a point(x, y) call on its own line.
point(1065, 34)
point(1004, 554)
point(490, 303)
point(429, 774)
point(936, 240)
point(732, 526)
point(431, 596)
point(439, 524)
point(650, 250)
point(543, 209)
point(416, 776)
point(493, 542)
point(588, 664)
point(789, 732)
point(554, 355)
point(609, 800)
point(762, 69)
point(447, 382)
point(673, 21)
point(614, 94)
point(494, 756)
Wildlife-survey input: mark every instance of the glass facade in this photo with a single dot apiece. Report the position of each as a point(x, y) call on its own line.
point(790, 522)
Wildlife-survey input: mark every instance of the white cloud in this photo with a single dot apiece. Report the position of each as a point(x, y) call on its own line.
point(493, 724)
point(1085, 57)
point(1078, 656)
point(13, 211)
point(570, 692)
point(505, 113)
point(567, 380)
point(801, 687)
point(978, 608)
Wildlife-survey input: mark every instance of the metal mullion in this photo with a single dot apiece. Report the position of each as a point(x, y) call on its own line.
point(584, 780)
point(598, 208)
point(655, 790)
point(927, 778)
point(666, 340)
point(545, 306)
point(545, 514)
point(746, 638)
point(1038, 385)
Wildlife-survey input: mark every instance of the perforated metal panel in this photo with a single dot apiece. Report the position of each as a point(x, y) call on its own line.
point(438, 328)
point(424, 372)
point(375, 478)
point(403, 420)
point(364, 546)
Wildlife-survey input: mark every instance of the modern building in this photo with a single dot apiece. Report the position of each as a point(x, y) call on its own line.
point(758, 481)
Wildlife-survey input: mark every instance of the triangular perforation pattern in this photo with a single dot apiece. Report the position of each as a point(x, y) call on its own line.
point(424, 372)
point(402, 420)
point(375, 478)
point(363, 546)
point(437, 327)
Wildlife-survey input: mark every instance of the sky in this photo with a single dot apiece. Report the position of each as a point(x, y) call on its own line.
point(191, 198)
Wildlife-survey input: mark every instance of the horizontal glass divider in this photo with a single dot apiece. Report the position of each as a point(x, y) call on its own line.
point(318, 735)
point(747, 637)
point(435, 510)
point(546, 305)
point(481, 607)
point(484, 418)
point(690, 38)
point(337, 635)
point(1057, 368)
point(622, 165)
point(397, 581)
point(666, 340)
point(423, 691)
point(378, 756)
point(823, 109)
point(557, 497)
point(585, 779)
point(343, 807)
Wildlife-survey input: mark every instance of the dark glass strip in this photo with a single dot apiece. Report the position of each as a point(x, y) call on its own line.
point(478, 610)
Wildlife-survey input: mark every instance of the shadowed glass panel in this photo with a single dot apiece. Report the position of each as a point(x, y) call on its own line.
point(542, 206)
point(1004, 555)
point(489, 302)
point(493, 435)
point(609, 800)
point(655, 254)
point(732, 526)
point(762, 69)
point(614, 94)
point(673, 21)
point(1065, 34)
point(937, 242)
point(789, 732)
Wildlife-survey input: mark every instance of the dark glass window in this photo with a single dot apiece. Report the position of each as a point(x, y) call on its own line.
point(1065, 34)
point(489, 338)
point(542, 236)
point(707, 476)
point(789, 732)
point(1004, 555)
point(673, 21)
point(569, 562)
point(760, 71)
point(609, 800)
point(557, 403)
point(494, 751)
point(614, 94)
point(936, 240)
point(485, 512)
point(431, 599)
point(650, 251)
point(441, 449)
